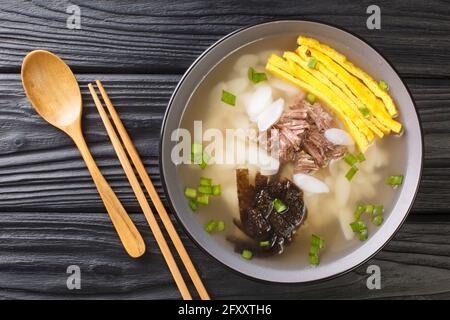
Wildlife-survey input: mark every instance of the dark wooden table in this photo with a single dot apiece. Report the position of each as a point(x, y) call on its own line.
point(50, 213)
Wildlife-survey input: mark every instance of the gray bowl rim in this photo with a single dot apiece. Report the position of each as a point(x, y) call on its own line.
point(161, 162)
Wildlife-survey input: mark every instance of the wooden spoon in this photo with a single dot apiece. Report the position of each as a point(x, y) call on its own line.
point(54, 92)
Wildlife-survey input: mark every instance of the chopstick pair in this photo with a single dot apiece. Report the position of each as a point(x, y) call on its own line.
point(156, 230)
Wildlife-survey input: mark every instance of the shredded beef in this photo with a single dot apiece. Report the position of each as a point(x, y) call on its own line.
point(298, 137)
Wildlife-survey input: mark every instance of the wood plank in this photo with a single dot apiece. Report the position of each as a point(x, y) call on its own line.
point(40, 170)
point(167, 35)
point(37, 248)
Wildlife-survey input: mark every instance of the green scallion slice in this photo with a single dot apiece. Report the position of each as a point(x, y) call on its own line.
point(314, 260)
point(313, 250)
point(360, 157)
point(377, 220)
point(190, 193)
point(360, 209)
point(216, 190)
point(205, 160)
point(210, 226)
point(316, 241)
point(279, 205)
point(256, 77)
point(220, 225)
point(358, 226)
point(204, 189)
point(198, 156)
point(193, 205)
point(395, 180)
point(350, 173)
point(205, 181)
point(350, 159)
point(228, 98)
point(247, 254)
point(196, 153)
point(363, 235)
point(311, 98)
point(383, 85)
point(369, 208)
point(364, 111)
point(377, 210)
point(203, 199)
point(312, 63)
point(264, 243)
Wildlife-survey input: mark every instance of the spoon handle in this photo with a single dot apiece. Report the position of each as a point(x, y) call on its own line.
point(127, 231)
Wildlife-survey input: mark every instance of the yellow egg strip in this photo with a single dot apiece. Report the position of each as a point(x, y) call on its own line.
point(303, 75)
point(357, 72)
point(359, 121)
point(279, 67)
point(358, 88)
point(374, 125)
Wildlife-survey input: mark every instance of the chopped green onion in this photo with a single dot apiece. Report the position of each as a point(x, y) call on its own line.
point(247, 254)
point(360, 157)
point(360, 209)
point(203, 199)
point(279, 205)
point(350, 173)
point(316, 245)
point(358, 226)
point(378, 210)
point(310, 98)
point(364, 111)
point(350, 159)
point(312, 62)
point(369, 208)
point(216, 190)
point(220, 225)
point(196, 153)
point(314, 251)
point(383, 85)
point(395, 180)
point(205, 181)
point(377, 220)
point(314, 260)
point(363, 235)
point(316, 241)
point(264, 243)
point(228, 98)
point(256, 77)
point(204, 189)
point(193, 205)
point(205, 160)
point(198, 156)
point(210, 226)
point(190, 193)
point(196, 148)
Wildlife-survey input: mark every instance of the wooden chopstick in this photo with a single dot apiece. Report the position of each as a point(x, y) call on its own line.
point(132, 152)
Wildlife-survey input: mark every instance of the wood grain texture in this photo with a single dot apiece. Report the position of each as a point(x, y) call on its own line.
point(50, 213)
point(37, 248)
point(165, 36)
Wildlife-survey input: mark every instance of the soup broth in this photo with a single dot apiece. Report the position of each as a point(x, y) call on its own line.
point(329, 214)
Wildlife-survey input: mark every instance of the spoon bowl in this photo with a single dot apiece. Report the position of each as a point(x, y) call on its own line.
point(44, 72)
point(54, 92)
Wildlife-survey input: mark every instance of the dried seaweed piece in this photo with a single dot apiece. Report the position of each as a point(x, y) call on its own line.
point(258, 218)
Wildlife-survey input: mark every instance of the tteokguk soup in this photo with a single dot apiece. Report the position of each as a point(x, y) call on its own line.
point(295, 153)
